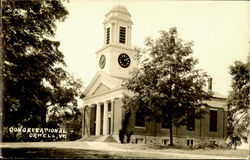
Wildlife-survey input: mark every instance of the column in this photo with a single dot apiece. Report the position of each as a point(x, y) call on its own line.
point(116, 36)
point(113, 33)
point(129, 35)
point(83, 121)
point(105, 118)
point(126, 36)
point(86, 121)
point(112, 115)
point(105, 35)
point(98, 120)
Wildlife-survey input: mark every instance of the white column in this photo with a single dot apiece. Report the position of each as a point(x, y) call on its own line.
point(86, 121)
point(105, 35)
point(105, 118)
point(116, 35)
point(113, 33)
point(83, 121)
point(126, 36)
point(112, 115)
point(129, 35)
point(98, 120)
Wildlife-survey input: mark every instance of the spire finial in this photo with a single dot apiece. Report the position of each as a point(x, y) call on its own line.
point(116, 2)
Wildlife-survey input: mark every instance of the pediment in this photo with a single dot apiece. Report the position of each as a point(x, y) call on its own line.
point(102, 82)
point(101, 88)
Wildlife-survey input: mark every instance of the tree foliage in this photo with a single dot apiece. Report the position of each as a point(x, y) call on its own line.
point(238, 103)
point(128, 125)
point(34, 75)
point(166, 86)
point(70, 119)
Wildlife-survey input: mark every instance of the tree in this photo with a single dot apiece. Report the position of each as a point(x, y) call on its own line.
point(69, 119)
point(238, 103)
point(34, 76)
point(166, 86)
point(128, 124)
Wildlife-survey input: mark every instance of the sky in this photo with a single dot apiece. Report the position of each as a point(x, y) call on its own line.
point(220, 31)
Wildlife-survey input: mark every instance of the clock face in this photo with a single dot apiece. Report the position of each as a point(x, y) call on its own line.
point(102, 61)
point(124, 60)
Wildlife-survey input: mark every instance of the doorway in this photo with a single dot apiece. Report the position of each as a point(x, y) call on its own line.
point(109, 125)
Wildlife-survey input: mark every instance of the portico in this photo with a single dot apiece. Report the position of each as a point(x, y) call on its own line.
point(102, 106)
point(103, 116)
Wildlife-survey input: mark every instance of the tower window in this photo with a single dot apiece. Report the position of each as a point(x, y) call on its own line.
point(122, 35)
point(213, 121)
point(108, 35)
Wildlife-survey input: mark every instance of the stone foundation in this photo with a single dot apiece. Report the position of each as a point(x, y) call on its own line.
point(183, 141)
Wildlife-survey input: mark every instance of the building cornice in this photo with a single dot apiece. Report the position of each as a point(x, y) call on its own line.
point(115, 46)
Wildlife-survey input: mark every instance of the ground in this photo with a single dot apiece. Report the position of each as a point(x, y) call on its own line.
point(111, 150)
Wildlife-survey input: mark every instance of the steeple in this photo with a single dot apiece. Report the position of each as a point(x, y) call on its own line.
point(117, 26)
point(116, 57)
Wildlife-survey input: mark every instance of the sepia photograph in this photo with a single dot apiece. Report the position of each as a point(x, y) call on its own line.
point(125, 79)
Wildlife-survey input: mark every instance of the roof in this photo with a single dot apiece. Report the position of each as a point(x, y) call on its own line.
point(119, 8)
point(100, 76)
point(216, 94)
point(118, 12)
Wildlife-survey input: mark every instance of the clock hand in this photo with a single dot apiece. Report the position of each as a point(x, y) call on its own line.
point(127, 59)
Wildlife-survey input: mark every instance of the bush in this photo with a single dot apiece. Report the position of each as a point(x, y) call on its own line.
point(208, 146)
point(129, 134)
point(121, 135)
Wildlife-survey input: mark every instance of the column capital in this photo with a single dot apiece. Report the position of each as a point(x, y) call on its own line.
point(99, 103)
point(107, 101)
point(113, 99)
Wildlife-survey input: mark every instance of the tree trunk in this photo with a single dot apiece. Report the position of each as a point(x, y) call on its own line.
point(155, 129)
point(171, 131)
point(128, 138)
point(171, 134)
point(43, 117)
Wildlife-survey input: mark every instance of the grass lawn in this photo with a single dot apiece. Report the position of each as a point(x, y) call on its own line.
point(97, 150)
point(60, 153)
point(183, 150)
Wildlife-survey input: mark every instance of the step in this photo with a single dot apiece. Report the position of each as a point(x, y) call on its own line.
point(101, 138)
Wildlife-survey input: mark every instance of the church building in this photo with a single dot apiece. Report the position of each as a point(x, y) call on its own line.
point(102, 112)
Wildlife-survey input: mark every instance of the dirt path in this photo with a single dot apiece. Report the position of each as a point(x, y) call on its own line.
point(103, 146)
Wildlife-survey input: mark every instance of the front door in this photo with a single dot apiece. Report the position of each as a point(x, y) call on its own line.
point(109, 125)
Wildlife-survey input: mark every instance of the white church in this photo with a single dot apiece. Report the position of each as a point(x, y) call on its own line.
point(102, 106)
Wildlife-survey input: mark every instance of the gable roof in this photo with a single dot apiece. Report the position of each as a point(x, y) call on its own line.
point(102, 82)
point(101, 88)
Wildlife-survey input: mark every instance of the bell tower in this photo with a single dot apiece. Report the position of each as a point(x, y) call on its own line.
point(116, 57)
point(117, 26)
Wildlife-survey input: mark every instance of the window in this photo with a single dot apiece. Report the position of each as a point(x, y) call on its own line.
point(190, 142)
point(165, 141)
point(122, 35)
point(213, 121)
point(140, 120)
point(109, 107)
point(108, 35)
point(191, 120)
point(139, 140)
